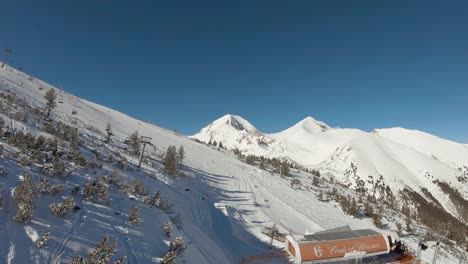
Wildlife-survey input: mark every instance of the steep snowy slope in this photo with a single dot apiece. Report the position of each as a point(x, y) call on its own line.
point(450, 152)
point(242, 199)
point(309, 142)
point(379, 162)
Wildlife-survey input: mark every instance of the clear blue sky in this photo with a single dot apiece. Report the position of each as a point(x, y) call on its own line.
point(362, 64)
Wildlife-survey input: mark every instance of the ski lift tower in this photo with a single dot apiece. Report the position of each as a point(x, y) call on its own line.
point(442, 235)
point(144, 140)
point(6, 51)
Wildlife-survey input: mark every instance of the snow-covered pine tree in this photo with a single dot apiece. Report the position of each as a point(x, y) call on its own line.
point(180, 155)
point(170, 161)
point(109, 133)
point(51, 98)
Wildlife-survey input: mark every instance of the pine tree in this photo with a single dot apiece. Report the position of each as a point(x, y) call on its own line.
point(284, 168)
point(250, 159)
point(368, 210)
point(25, 194)
point(399, 229)
point(220, 145)
point(109, 132)
point(409, 229)
point(51, 98)
point(315, 181)
point(320, 197)
point(377, 218)
point(180, 155)
point(135, 143)
point(353, 208)
point(170, 161)
point(262, 163)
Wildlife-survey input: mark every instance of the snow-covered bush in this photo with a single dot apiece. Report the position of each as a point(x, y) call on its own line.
point(96, 190)
point(139, 188)
point(160, 203)
point(102, 254)
point(25, 213)
point(154, 200)
point(175, 248)
point(134, 216)
point(165, 205)
point(62, 209)
point(109, 158)
point(167, 229)
point(112, 178)
point(43, 241)
point(46, 188)
point(25, 161)
point(296, 183)
point(58, 168)
point(55, 189)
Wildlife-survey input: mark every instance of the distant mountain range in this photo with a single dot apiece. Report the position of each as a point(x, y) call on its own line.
point(394, 158)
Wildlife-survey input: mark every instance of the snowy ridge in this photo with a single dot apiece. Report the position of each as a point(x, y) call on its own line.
point(404, 158)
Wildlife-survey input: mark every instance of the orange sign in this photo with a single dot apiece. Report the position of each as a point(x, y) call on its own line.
point(337, 249)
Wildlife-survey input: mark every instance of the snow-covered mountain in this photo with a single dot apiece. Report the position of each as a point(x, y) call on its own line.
point(220, 204)
point(398, 158)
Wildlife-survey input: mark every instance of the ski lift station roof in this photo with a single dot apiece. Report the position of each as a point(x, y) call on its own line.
point(340, 233)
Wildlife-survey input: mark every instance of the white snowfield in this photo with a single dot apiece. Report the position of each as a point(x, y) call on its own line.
point(242, 199)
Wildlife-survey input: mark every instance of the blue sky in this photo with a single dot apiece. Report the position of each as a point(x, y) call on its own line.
point(182, 64)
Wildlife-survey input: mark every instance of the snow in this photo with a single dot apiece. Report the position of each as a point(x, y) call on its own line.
point(242, 199)
point(405, 158)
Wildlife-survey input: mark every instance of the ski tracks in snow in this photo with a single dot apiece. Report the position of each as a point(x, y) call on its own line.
point(57, 252)
point(131, 259)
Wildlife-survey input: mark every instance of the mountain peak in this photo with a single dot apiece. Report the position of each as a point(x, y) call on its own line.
point(312, 125)
point(235, 121)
